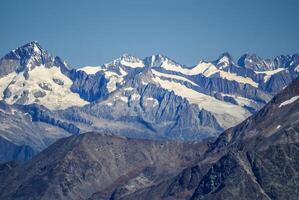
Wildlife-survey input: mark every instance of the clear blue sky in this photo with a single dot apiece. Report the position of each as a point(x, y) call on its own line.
point(92, 32)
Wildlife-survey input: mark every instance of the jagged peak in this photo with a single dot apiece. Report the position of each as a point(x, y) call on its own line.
point(129, 57)
point(126, 60)
point(159, 57)
point(33, 47)
point(33, 43)
point(246, 57)
point(224, 60)
point(226, 55)
point(28, 50)
point(31, 55)
point(157, 60)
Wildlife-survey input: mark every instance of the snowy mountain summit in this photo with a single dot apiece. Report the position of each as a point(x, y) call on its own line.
point(29, 74)
point(153, 97)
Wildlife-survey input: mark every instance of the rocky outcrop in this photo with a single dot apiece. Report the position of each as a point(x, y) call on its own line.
point(41, 114)
point(89, 87)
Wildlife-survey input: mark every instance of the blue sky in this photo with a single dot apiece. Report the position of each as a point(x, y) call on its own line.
point(93, 32)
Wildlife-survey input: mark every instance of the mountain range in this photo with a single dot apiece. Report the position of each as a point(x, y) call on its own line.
point(256, 159)
point(43, 99)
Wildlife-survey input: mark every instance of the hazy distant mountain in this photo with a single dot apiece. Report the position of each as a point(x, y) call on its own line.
point(154, 97)
point(257, 159)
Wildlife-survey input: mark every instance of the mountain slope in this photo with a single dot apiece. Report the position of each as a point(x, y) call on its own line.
point(29, 127)
point(12, 152)
point(31, 75)
point(92, 165)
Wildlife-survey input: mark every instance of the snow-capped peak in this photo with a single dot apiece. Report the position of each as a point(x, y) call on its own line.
point(27, 57)
point(26, 51)
point(160, 60)
point(224, 60)
point(128, 57)
point(257, 63)
point(126, 60)
point(32, 49)
point(131, 61)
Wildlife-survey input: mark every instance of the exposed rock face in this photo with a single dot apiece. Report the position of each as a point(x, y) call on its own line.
point(256, 63)
point(163, 113)
point(40, 114)
point(17, 60)
point(89, 87)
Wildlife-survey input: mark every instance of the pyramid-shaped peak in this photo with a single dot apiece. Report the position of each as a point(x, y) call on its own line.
point(126, 60)
point(30, 55)
point(225, 57)
point(33, 43)
point(27, 51)
point(249, 59)
point(158, 59)
point(31, 49)
point(33, 46)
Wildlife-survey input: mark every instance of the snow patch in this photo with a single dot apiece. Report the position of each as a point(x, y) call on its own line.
point(173, 77)
point(111, 85)
point(268, 74)
point(5, 81)
point(124, 99)
point(242, 101)
point(123, 72)
point(114, 79)
point(239, 79)
point(208, 69)
point(132, 64)
point(226, 114)
point(36, 49)
point(224, 62)
point(278, 127)
point(289, 101)
point(90, 69)
point(153, 101)
point(56, 96)
point(135, 97)
point(129, 89)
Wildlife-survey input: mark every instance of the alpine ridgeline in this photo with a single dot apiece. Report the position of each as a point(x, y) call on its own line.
point(154, 97)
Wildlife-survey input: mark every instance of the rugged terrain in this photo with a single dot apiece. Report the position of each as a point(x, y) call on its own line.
point(151, 98)
point(257, 159)
point(93, 165)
